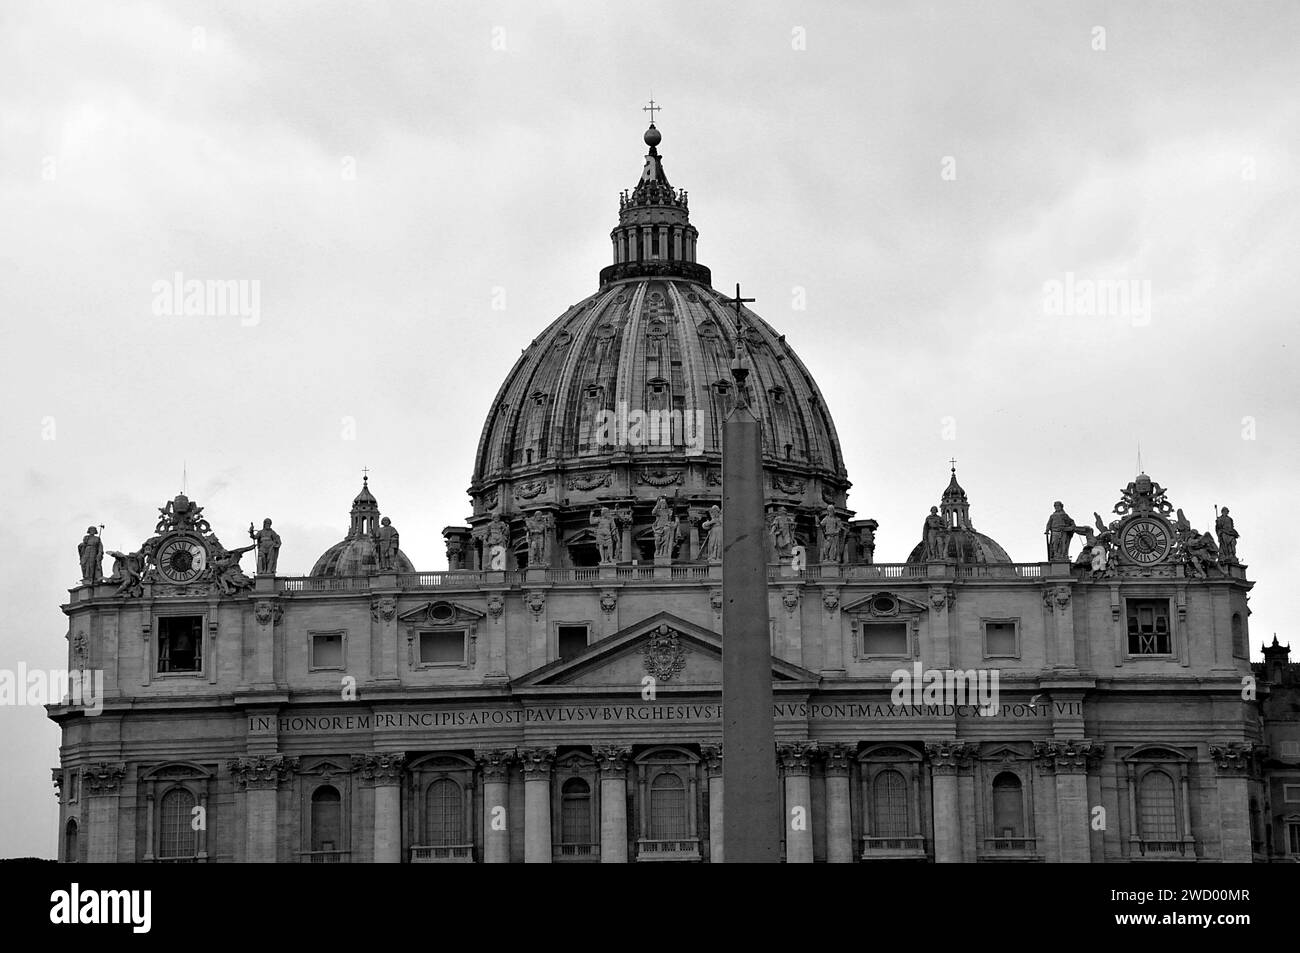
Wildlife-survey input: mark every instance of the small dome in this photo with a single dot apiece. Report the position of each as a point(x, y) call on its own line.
point(357, 554)
point(653, 136)
point(964, 543)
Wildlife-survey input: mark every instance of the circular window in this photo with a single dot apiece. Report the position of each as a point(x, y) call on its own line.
point(441, 612)
point(883, 605)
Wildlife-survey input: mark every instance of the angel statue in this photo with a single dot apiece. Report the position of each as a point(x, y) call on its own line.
point(1197, 549)
point(226, 572)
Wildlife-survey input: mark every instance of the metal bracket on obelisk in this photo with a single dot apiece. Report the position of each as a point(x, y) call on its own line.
point(751, 812)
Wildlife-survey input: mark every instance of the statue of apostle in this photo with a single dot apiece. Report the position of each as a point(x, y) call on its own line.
point(1227, 536)
point(832, 535)
point(665, 528)
point(536, 526)
point(90, 551)
point(781, 527)
point(607, 541)
point(713, 539)
point(268, 547)
point(386, 541)
point(1060, 528)
point(934, 534)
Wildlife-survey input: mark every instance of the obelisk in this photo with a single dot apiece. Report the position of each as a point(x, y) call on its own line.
point(751, 817)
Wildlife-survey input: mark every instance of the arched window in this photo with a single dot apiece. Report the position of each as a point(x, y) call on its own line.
point(1157, 807)
point(70, 843)
point(175, 833)
point(668, 808)
point(1008, 806)
point(889, 805)
point(444, 814)
point(575, 812)
point(326, 819)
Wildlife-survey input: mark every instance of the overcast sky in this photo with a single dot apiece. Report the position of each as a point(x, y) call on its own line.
point(914, 173)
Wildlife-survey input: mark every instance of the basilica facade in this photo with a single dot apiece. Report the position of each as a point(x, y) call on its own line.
point(554, 694)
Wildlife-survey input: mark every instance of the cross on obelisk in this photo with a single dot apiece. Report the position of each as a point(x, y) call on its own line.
point(651, 109)
point(751, 812)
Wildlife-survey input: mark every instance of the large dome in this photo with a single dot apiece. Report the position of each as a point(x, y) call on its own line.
point(622, 398)
point(652, 344)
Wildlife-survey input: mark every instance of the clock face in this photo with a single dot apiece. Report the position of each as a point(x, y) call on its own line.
point(1145, 541)
point(181, 559)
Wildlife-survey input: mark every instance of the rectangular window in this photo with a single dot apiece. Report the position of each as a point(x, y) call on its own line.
point(180, 643)
point(1000, 639)
point(327, 651)
point(1293, 838)
point(1291, 750)
point(572, 640)
point(1148, 627)
point(442, 647)
point(1291, 793)
point(884, 638)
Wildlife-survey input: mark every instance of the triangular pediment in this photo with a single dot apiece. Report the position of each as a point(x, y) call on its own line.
point(441, 612)
point(676, 652)
point(877, 604)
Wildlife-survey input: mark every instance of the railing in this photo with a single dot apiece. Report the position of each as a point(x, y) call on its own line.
point(690, 572)
point(687, 849)
point(1162, 847)
point(589, 575)
point(325, 856)
point(910, 846)
point(176, 860)
point(454, 854)
point(1011, 843)
point(575, 851)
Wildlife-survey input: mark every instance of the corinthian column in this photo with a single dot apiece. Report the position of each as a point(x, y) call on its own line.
point(537, 763)
point(260, 778)
point(839, 824)
point(945, 758)
point(612, 760)
point(101, 784)
point(796, 765)
point(1069, 761)
point(713, 764)
point(385, 771)
point(1232, 766)
point(495, 766)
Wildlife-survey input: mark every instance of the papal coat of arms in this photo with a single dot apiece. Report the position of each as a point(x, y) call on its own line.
point(665, 655)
